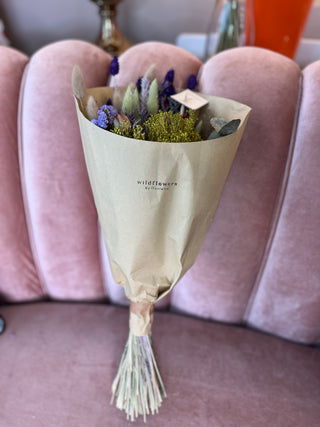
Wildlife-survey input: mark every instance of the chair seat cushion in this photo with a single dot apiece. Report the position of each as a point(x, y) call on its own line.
point(58, 360)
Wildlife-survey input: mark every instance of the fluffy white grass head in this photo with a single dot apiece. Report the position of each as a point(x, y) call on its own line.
point(78, 86)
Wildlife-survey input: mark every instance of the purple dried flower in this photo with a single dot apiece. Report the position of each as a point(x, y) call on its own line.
point(133, 118)
point(138, 84)
point(108, 110)
point(114, 66)
point(169, 90)
point(169, 76)
point(103, 120)
point(144, 93)
point(192, 82)
point(106, 116)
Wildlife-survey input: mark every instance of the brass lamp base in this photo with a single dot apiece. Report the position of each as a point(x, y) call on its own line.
point(110, 39)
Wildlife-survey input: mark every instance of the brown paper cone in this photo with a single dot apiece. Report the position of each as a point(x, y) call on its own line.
point(155, 203)
point(155, 200)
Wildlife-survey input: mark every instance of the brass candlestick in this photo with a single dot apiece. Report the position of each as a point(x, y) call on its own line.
point(110, 39)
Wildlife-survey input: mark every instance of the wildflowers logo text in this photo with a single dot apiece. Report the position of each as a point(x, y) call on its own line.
point(156, 185)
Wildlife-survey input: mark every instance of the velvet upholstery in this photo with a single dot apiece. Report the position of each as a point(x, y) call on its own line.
point(18, 276)
point(59, 359)
point(287, 298)
point(59, 204)
point(258, 267)
point(230, 260)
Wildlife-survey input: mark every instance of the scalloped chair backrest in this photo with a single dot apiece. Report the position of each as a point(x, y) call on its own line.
point(259, 264)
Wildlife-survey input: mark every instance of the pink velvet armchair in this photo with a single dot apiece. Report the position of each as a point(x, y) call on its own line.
point(243, 325)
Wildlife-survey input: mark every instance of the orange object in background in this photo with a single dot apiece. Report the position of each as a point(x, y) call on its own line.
point(276, 24)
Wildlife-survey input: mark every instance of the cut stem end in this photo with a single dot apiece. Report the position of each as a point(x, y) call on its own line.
point(138, 387)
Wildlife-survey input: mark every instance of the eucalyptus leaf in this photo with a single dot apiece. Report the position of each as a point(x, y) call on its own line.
point(199, 127)
point(217, 123)
point(213, 135)
point(230, 127)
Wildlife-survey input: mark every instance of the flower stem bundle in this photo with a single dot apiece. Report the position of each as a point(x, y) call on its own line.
point(138, 387)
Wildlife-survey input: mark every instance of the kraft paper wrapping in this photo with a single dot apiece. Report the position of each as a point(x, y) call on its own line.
point(155, 201)
point(141, 318)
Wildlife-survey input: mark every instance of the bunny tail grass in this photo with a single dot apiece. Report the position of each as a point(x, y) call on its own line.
point(138, 387)
point(78, 85)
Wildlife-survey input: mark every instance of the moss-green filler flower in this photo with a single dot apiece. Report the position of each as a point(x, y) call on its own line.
point(171, 127)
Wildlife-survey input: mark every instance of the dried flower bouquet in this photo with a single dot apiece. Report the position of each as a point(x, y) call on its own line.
point(157, 161)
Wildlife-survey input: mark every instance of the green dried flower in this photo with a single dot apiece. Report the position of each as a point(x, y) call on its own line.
point(130, 101)
point(135, 100)
point(172, 127)
point(153, 100)
point(117, 131)
point(138, 132)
